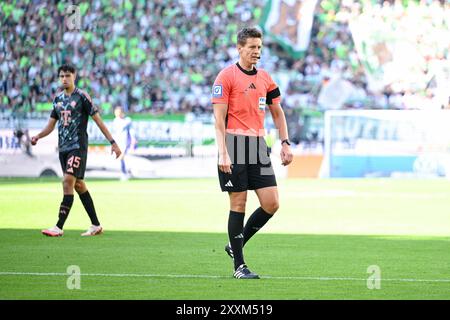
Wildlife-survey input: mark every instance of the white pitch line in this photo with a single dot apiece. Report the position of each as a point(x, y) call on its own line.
point(119, 275)
point(199, 276)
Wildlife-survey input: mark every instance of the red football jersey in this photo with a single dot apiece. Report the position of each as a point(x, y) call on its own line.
point(246, 93)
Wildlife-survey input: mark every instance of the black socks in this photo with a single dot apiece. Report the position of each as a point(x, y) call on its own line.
point(235, 227)
point(256, 221)
point(64, 210)
point(89, 207)
point(239, 235)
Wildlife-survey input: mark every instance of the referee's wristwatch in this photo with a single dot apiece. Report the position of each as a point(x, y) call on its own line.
point(286, 141)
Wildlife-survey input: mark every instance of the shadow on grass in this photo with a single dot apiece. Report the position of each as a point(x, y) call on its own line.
point(186, 265)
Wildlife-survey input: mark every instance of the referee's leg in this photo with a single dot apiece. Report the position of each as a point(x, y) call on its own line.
point(268, 199)
point(269, 204)
point(238, 201)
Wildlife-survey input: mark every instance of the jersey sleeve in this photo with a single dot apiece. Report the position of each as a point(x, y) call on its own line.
point(221, 89)
point(88, 106)
point(54, 114)
point(273, 92)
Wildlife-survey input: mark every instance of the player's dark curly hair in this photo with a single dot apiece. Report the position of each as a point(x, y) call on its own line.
point(246, 33)
point(66, 68)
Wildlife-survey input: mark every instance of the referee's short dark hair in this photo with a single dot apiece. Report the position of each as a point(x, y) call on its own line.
point(245, 33)
point(66, 68)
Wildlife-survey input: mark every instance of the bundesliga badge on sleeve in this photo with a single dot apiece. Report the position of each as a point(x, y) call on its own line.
point(217, 91)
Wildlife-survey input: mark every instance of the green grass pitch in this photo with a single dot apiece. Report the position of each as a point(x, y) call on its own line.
point(164, 239)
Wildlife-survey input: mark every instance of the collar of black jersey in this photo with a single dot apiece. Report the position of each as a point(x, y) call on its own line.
point(250, 73)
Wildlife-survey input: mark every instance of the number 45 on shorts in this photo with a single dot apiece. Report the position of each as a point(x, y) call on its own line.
point(73, 162)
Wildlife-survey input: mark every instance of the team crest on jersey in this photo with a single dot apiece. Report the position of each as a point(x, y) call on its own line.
point(73, 104)
point(217, 91)
point(59, 104)
point(262, 103)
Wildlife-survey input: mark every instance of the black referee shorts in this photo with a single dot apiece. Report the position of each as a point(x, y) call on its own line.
point(251, 166)
point(74, 162)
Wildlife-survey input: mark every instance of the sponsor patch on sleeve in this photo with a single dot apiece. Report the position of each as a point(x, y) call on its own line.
point(217, 91)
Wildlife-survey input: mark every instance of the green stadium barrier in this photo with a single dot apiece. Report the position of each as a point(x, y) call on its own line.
point(44, 106)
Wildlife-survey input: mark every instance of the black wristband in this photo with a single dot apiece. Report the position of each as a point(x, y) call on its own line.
point(112, 141)
point(287, 142)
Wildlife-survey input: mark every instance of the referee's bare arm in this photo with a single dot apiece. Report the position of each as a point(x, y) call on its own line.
point(279, 120)
point(220, 114)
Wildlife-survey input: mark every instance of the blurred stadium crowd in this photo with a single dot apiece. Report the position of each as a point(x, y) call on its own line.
point(162, 56)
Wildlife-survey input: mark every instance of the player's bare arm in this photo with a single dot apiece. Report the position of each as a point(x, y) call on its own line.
point(279, 120)
point(45, 132)
point(101, 125)
point(220, 114)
